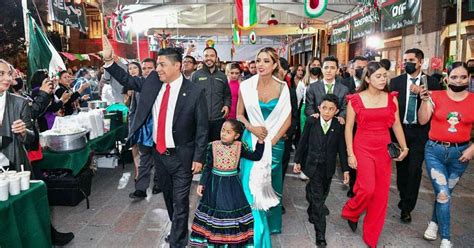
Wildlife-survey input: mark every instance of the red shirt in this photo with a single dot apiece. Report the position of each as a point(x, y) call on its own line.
point(452, 120)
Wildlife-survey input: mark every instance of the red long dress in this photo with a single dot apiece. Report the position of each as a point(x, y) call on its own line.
point(373, 166)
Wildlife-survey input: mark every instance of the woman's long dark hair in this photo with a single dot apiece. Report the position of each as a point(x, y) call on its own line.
point(371, 68)
point(139, 68)
point(37, 79)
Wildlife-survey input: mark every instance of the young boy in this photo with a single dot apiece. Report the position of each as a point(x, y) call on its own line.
point(321, 141)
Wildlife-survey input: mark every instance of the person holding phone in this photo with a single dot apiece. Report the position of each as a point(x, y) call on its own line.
point(448, 150)
point(409, 170)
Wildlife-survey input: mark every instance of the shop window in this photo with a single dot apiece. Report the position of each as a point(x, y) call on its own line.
point(471, 5)
point(95, 29)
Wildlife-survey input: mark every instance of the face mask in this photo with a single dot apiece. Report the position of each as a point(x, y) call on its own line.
point(358, 73)
point(315, 71)
point(470, 69)
point(410, 67)
point(458, 88)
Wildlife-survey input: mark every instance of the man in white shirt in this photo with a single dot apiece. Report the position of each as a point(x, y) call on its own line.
point(180, 130)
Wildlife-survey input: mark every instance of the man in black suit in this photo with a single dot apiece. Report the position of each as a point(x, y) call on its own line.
point(180, 126)
point(321, 141)
point(409, 170)
point(353, 82)
point(328, 85)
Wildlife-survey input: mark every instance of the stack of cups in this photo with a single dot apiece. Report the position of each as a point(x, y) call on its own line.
point(24, 180)
point(3, 187)
point(14, 183)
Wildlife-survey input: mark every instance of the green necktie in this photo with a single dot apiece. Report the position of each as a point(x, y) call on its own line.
point(325, 127)
point(411, 108)
point(329, 86)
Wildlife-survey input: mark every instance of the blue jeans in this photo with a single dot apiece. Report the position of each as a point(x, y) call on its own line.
point(445, 170)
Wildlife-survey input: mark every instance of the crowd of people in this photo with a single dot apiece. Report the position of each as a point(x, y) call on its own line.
point(238, 125)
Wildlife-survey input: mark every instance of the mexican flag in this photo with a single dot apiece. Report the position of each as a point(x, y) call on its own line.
point(246, 11)
point(41, 53)
point(236, 33)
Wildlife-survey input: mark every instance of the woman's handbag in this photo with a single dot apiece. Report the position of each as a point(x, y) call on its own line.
point(394, 150)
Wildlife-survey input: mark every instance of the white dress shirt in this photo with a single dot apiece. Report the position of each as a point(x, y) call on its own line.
point(326, 87)
point(322, 121)
point(175, 87)
point(409, 83)
point(357, 82)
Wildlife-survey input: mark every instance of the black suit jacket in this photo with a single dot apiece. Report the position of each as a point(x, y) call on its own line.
point(399, 84)
point(190, 121)
point(309, 153)
point(316, 91)
point(350, 84)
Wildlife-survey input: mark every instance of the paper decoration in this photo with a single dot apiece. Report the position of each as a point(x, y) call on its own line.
point(315, 8)
point(252, 37)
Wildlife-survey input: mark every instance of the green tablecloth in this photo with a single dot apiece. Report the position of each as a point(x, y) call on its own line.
point(76, 160)
point(25, 219)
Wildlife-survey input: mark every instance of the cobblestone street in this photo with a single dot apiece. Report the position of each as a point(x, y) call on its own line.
point(114, 220)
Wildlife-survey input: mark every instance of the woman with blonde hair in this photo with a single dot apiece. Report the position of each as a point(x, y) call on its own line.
point(266, 101)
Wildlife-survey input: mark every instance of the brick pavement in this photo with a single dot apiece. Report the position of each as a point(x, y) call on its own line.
point(114, 220)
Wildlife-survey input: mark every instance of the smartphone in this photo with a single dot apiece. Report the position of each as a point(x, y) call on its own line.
point(424, 81)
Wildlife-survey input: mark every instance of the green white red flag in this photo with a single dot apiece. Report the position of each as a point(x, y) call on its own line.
point(246, 11)
point(41, 53)
point(236, 33)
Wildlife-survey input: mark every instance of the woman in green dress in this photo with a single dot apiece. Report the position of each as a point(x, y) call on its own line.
point(265, 99)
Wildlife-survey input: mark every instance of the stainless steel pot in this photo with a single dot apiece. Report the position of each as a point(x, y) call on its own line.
point(65, 142)
point(97, 104)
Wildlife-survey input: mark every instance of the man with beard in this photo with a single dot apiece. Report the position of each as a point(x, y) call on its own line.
point(353, 82)
point(252, 70)
point(409, 170)
point(218, 95)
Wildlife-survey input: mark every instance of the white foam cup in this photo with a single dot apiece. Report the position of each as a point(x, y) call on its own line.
point(14, 185)
point(3, 190)
point(24, 180)
point(11, 173)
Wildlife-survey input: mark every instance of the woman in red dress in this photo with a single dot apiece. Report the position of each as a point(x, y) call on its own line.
point(375, 111)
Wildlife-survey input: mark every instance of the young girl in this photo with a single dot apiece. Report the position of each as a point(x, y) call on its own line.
point(224, 216)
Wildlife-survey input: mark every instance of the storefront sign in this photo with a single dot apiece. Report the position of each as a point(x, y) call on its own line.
point(69, 14)
point(398, 14)
point(340, 34)
point(308, 44)
point(362, 26)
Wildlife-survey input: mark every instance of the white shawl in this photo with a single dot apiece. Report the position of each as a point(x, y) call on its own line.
point(260, 185)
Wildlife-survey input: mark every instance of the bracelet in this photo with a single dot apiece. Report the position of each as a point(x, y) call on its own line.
point(350, 156)
point(405, 148)
point(108, 60)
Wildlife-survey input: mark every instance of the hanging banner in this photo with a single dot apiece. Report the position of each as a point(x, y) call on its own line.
point(69, 14)
point(362, 26)
point(398, 14)
point(340, 34)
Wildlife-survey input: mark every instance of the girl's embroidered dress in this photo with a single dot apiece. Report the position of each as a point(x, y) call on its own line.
point(224, 216)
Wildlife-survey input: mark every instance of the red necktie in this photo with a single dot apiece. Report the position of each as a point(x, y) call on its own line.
point(160, 134)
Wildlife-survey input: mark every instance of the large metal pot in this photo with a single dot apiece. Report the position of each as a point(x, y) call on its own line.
point(97, 104)
point(64, 142)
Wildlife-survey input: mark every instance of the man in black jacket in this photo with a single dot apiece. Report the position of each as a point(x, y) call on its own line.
point(180, 125)
point(353, 82)
point(321, 141)
point(217, 92)
point(409, 170)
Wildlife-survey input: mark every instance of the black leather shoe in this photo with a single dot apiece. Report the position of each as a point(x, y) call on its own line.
point(405, 217)
point(350, 194)
point(352, 225)
point(60, 239)
point(138, 194)
point(167, 238)
point(156, 189)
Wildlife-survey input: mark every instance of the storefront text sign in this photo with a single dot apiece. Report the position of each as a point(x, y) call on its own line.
point(362, 26)
point(68, 14)
point(398, 14)
point(340, 34)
